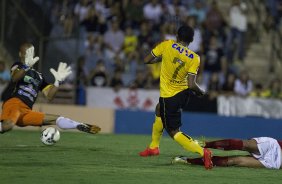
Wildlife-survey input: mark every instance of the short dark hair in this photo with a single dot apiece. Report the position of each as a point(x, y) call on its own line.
point(185, 34)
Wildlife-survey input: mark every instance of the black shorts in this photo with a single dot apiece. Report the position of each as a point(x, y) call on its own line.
point(171, 107)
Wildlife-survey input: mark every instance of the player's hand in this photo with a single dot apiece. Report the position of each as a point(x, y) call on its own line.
point(201, 94)
point(63, 72)
point(29, 59)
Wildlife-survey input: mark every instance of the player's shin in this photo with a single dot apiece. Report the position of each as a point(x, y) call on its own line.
point(220, 161)
point(188, 143)
point(157, 132)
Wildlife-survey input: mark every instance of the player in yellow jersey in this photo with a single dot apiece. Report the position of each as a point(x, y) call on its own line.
point(179, 67)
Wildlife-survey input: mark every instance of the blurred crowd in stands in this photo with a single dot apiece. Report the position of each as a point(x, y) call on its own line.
point(117, 34)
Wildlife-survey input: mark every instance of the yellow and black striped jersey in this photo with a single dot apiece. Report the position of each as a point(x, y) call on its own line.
point(177, 62)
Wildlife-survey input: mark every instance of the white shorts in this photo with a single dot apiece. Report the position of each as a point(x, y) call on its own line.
point(270, 152)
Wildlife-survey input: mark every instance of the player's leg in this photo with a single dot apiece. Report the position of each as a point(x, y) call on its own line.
point(6, 125)
point(10, 115)
point(234, 144)
point(32, 118)
point(250, 146)
point(224, 161)
point(170, 109)
point(157, 131)
point(244, 161)
point(217, 160)
point(225, 144)
point(66, 123)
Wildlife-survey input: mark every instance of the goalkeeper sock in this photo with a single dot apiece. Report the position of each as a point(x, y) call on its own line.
point(226, 144)
point(187, 143)
point(157, 132)
point(66, 123)
point(216, 160)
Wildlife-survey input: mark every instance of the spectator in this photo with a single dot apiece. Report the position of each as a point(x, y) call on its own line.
point(153, 11)
point(130, 42)
point(68, 25)
point(93, 22)
point(229, 84)
point(102, 8)
point(273, 18)
point(93, 50)
point(81, 81)
point(145, 37)
point(214, 86)
point(176, 7)
point(116, 81)
point(60, 10)
point(134, 13)
point(116, 13)
point(119, 65)
point(4, 73)
point(155, 70)
point(196, 44)
point(114, 39)
point(258, 91)
point(99, 76)
point(214, 61)
point(140, 80)
point(136, 63)
point(81, 72)
point(81, 9)
point(174, 12)
point(150, 82)
point(64, 28)
point(275, 89)
point(238, 28)
point(168, 31)
point(243, 85)
point(214, 23)
point(198, 11)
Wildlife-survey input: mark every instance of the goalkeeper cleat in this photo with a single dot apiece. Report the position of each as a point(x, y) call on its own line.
point(92, 129)
point(150, 152)
point(208, 159)
point(179, 160)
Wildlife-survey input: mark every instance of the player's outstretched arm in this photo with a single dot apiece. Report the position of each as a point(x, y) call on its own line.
point(60, 75)
point(194, 86)
point(18, 71)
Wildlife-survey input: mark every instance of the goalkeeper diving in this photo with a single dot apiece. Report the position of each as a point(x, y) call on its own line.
point(22, 91)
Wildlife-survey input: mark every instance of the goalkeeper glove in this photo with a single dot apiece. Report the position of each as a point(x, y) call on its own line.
point(63, 72)
point(29, 60)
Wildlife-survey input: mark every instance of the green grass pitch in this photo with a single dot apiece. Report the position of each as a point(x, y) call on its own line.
point(84, 158)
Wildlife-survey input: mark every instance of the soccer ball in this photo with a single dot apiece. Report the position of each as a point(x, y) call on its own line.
point(50, 136)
